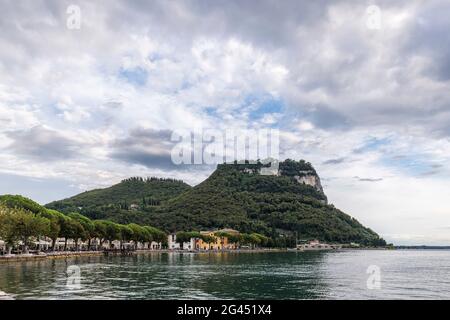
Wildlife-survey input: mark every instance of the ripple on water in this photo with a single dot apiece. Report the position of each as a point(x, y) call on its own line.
point(415, 274)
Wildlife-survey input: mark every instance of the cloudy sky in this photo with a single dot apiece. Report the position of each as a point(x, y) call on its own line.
point(362, 92)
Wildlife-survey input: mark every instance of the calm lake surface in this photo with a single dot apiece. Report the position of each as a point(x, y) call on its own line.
point(404, 274)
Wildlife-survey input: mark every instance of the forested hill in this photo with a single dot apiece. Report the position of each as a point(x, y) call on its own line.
point(130, 193)
point(288, 204)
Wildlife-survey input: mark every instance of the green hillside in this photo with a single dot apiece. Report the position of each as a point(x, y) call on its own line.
point(22, 219)
point(234, 196)
point(276, 206)
point(124, 201)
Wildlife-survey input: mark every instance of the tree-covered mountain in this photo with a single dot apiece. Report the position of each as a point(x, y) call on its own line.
point(290, 203)
point(286, 205)
point(124, 201)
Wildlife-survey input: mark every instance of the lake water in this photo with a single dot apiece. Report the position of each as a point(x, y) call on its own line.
point(401, 274)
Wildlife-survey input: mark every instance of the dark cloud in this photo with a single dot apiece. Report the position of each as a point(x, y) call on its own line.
point(322, 116)
point(39, 143)
point(148, 159)
point(327, 118)
point(429, 37)
point(147, 137)
point(113, 105)
point(4, 121)
point(373, 144)
point(152, 149)
point(334, 161)
point(430, 173)
point(368, 179)
point(147, 147)
point(266, 24)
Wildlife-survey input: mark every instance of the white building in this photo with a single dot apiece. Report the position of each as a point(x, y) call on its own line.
point(317, 245)
point(134, 206)
point(148, 246)
point(174, 245)
point(155, 245)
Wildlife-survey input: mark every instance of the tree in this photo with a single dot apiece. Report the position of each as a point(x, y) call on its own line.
point(7, 232)
point(184, 236)
point(234, 238)
point(113, 231)
point(157, 235)
point(54, 230)
point(250, 239)
point(140, 234)
point(71, 229)
point(126, 234)
point(181, 238)
point(146, 236)
point(22, 219)
point(22, 224)
point(100, 231)
point(88, 227)
point(20, 202)
point(260, 239)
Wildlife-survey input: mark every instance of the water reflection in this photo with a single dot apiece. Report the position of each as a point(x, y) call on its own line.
point(221, 275)
point(261, 276)
point(227, 275)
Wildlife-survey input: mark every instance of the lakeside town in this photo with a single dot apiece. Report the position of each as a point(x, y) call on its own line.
point(29, 230)
point(203, 241)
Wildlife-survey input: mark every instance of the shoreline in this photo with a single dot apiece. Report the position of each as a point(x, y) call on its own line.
point(52, 255)
point(60, 255)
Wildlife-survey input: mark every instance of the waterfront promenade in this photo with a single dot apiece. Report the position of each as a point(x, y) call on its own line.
point(70, 254)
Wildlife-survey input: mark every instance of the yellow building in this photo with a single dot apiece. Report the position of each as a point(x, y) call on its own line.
point(220, 242)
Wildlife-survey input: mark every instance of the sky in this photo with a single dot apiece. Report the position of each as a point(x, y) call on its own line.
point(91, 91)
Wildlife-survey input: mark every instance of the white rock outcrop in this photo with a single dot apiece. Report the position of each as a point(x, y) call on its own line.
point(310, 179)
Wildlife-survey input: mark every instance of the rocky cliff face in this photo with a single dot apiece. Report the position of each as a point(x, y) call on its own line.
point(301, 171)
point(311, 179)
